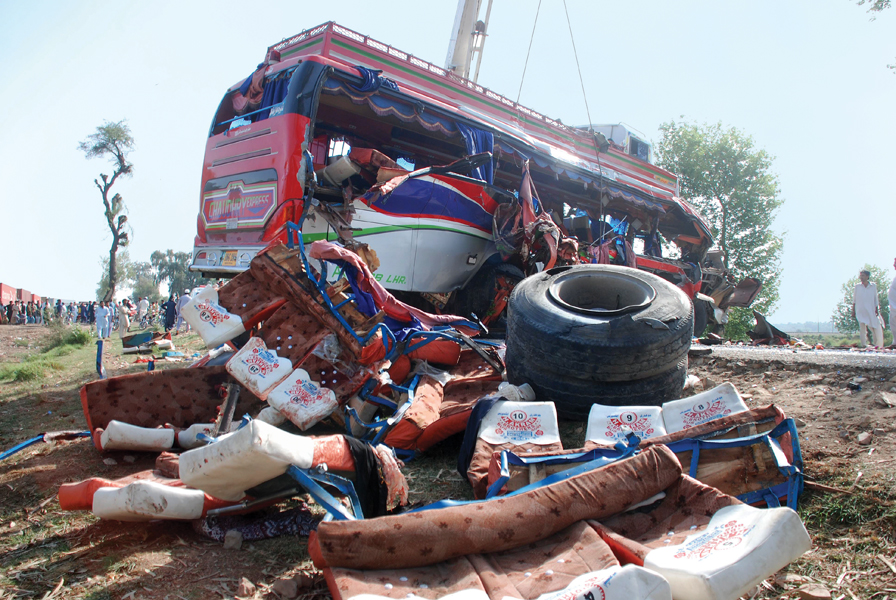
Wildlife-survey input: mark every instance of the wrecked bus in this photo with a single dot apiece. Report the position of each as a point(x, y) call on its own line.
point(421, 172)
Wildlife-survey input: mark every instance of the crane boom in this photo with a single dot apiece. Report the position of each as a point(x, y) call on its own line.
point(467, 38)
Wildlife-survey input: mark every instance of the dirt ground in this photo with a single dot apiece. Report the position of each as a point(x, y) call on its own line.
point(48, 553)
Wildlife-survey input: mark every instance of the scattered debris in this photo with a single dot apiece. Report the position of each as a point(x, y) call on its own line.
point(885, 399)
point(286, 588)
point(813, 591)
point(331, 355)
point(246, 589)
point(233, 540)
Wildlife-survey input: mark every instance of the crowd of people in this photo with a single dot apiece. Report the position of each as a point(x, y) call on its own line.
point(105, 316)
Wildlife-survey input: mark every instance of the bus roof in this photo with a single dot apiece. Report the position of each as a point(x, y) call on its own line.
point(570, 149)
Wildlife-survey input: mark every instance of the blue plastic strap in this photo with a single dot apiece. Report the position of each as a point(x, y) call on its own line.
point(309, 480)
point(495, 488)
point(791, 488)
point(695, 461)
point(100, 369)
point(22, 446)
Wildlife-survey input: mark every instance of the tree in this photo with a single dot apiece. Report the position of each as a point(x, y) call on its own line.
point(144, 283)
point(730, 182)
point(112, 141)
point(842, 316)
point(125, 272)
point(876, 6)
point(174, 267)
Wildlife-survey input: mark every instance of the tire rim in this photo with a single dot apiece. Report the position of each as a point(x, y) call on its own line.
point(601, 293)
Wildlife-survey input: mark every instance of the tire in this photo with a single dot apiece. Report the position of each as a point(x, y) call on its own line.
point(638, 338)
point(702, 310)
point(478, 295)
point(574, 397)
point(599, 334)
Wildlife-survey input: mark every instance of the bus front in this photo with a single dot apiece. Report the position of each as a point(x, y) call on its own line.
point(254, 172)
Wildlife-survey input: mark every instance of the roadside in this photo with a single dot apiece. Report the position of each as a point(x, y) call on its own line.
point(854, 533)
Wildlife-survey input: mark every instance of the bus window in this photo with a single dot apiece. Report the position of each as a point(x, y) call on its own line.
point(237, 110)
point(339, 148)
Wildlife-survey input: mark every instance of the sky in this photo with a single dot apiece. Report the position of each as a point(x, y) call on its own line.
point(807, 79)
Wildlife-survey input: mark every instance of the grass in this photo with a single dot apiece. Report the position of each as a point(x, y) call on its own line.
point(34, 367)
point(62, 341)
point(833, 512)
point(832, 340)
point(67, 335)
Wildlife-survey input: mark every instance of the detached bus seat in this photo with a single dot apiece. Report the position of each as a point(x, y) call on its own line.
point(283, 270)
point(219, 315)
point(448, 529)
point(142, 496)
point(707, 545)
point(238, 464)
point(180, 397)
point(754, 456)
point(434, 410)
point(520, 427)
point(572, 563)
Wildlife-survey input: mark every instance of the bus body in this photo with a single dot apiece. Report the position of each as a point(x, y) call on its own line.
point(336, 114)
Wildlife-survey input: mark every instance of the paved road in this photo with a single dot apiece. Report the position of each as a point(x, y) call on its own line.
point(821, 358)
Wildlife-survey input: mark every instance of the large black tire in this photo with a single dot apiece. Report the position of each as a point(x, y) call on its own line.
point(574, 397)
point(599, 333)
point(648, 338)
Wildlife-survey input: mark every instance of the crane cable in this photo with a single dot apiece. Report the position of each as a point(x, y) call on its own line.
point(575, 54)
point(600, 169)
point(531, 38)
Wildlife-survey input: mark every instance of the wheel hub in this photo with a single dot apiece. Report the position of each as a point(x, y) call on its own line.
point(601, 294)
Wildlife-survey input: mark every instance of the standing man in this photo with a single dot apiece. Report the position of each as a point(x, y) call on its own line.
point(170, 309)
point(866, 308)
point(142, 307)
point(891, 296)
point(101, 313)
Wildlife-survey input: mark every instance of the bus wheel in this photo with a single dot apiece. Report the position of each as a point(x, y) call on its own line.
point(598, 334)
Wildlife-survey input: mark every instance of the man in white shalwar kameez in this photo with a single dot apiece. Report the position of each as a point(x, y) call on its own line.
point(866, 308)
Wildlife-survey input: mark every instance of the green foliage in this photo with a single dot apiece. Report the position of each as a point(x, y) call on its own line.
point(842, 316)
point(730, 182)
point(63, 340)
point(836, 511)
point(33, 367)
point(124, 273)
point(67, 335)
point(875, 5)
point(144, 284)
point(174, 267)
